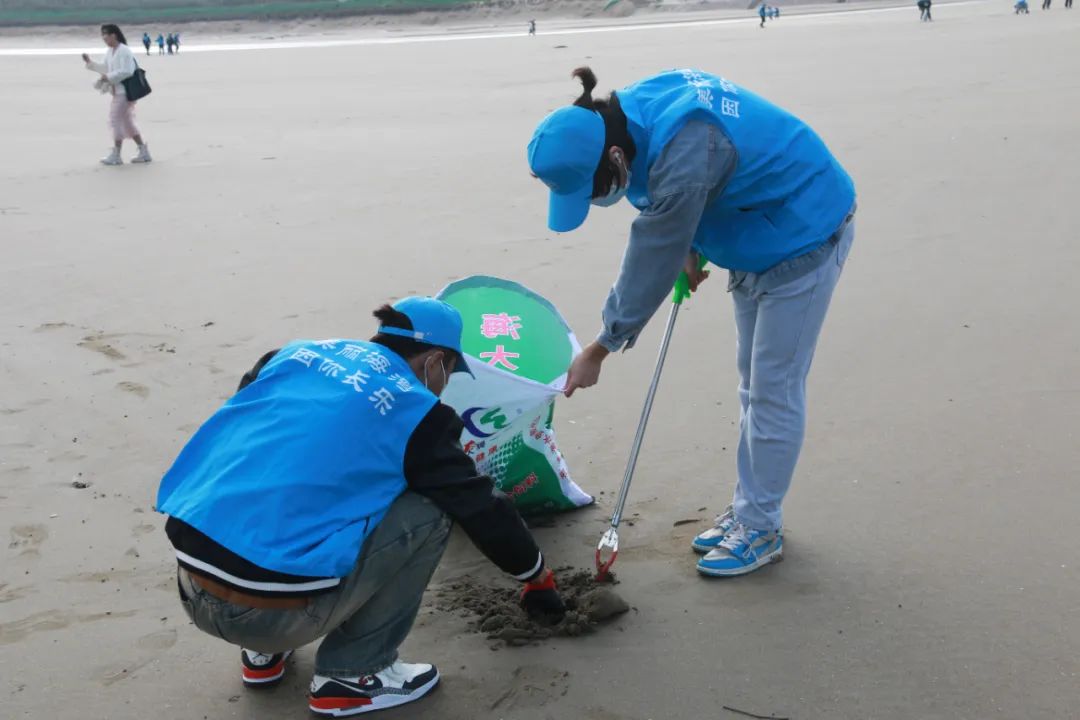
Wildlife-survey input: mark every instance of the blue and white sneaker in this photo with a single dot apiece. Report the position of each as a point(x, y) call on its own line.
point(709, 539)
point(742, 551)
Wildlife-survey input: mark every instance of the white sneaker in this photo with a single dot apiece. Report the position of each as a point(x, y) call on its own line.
point(395, 685)
point(709, 539)
point(143, 156)
point(112, 158)
point(261, 669)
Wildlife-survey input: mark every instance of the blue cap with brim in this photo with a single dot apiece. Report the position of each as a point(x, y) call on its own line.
point(565, 152)
point(434, 323)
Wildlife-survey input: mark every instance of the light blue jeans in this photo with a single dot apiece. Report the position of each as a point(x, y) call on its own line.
point(778, 317)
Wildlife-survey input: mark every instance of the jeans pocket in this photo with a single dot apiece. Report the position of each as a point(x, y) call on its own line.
point(843, 248)
point(842, 252)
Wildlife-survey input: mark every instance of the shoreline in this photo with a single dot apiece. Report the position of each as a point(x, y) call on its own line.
point(561, 19)
point(337, 11)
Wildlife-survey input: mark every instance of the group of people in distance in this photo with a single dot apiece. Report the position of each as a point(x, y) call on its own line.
point(170, 41)
point(767, 12)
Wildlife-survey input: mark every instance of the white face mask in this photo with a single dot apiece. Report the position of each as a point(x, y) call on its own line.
point(615, 194)
point(611, 198)
point(445, 379)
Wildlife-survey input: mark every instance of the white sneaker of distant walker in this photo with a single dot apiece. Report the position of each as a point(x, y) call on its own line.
point(143, 156)
point(112, 158)
point(395, 685)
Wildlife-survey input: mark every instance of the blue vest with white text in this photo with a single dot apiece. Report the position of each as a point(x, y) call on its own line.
point(296, 470)
point(788, 194)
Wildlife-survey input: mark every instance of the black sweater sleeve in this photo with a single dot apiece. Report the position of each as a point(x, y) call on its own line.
point(437, 467)
point(250, 375)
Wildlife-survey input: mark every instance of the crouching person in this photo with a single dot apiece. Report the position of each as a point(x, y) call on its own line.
point(317, 502)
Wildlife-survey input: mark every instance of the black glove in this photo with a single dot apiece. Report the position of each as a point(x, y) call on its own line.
point(541, 601)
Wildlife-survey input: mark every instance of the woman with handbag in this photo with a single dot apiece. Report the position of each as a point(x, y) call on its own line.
point(118, 67)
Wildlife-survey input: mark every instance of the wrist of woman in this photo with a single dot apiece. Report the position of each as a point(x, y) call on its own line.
point(597, 351)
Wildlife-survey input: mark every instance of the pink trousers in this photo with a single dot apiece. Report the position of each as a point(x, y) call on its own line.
point(122, 116)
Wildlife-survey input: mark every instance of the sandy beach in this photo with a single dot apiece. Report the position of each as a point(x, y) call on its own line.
point(931, 567)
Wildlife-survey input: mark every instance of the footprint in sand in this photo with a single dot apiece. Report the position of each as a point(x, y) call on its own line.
point(50, 620)
point(67, 456)
point(533, 686)
point(28, 538)
point(160, 640)
point(134, 388)
point(155, 642)
point(117, 671)
point(8, 593)
point(143, 529)
point(98, 342)
point(599, 713)
point(102, 576)
point(45, 327)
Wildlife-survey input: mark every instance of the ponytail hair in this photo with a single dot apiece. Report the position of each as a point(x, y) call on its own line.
point(407, 348)
point(110, 29)
point(616, 133)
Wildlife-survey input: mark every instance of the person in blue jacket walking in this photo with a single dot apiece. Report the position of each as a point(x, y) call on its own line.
point(317, 503)
point(719, 172)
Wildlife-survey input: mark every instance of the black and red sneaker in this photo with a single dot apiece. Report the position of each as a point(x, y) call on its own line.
point(261, 669)
point(397, 684)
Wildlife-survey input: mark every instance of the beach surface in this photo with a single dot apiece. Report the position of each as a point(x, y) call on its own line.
point(931, 566)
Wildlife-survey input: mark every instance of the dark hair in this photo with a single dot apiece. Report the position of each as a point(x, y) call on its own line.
point(110, 29)
point(615, 131)
point(403, 346)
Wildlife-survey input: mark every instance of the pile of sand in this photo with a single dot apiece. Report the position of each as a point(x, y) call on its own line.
point(499, 617)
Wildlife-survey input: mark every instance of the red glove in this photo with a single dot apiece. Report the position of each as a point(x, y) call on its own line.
point(541, 601)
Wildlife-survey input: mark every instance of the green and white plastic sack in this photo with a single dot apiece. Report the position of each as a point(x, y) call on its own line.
point(519, 348)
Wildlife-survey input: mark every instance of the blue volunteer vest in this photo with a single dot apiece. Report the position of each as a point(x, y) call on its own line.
point(788, 194)
point(297, 469)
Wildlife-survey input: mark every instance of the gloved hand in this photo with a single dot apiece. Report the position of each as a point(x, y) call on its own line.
point(541, 601)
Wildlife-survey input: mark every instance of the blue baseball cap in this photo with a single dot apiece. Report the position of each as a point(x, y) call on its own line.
point(565, 152)
point(434, 323)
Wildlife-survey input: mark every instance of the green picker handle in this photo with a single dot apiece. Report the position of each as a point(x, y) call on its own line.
point(609, 541)
point(682, 285)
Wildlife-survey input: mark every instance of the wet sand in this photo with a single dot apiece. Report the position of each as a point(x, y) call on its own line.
point(931, 561)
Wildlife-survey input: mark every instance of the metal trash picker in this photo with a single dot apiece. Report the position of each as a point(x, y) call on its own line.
point(610, 538)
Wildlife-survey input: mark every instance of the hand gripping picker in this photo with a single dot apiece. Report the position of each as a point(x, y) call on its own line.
point(610, 538)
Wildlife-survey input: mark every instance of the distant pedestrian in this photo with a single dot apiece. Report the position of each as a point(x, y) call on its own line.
point(774, 12)
point(924, 10)
point(763, 12)
point(176, 42)
point(119, 65)
point(1021, 8)
point(1068, 4)
point(532, 27)
point(1046, 5)
point(160, 44)
point(169, 42)
point(146, 42)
